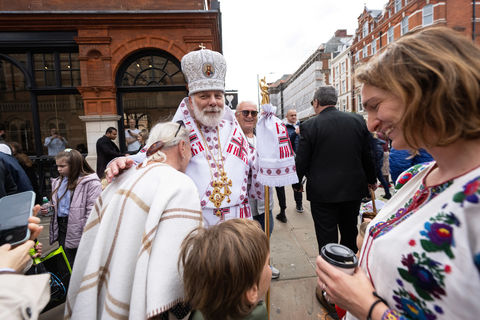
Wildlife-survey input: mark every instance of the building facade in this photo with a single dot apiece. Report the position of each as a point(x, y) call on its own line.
point(378, 28)
point(341, 77)
point(275, 91)
point(83, 66)
point(297, 92)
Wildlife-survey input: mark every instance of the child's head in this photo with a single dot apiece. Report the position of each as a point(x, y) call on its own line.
point(71, 164)
point(225, 268)
point(361, 233)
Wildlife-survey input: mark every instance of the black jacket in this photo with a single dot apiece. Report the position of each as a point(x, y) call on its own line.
point(7, 184)
point(106, 151)
point(292, 135)
point(334, 154)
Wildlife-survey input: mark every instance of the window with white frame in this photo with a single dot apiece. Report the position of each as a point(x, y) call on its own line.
point(336, 87)
point(365, 51)
point(342, 67)
point(344, 105)
point(344, 86)
point(365, 29)
point(359, 105)
point(357, 56)
point(404, 25)
point(427, 15)
point(398, 5)
point(390, 35)
point(336, 71)
point(374, 46)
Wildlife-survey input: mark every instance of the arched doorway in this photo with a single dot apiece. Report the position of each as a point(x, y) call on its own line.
point(150, 85)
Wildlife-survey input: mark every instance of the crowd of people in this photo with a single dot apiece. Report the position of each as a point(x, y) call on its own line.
point(179, 230)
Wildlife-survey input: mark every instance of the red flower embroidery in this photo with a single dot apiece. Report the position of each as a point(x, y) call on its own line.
point(448, 269)
point(412, 243)
point(472, 187)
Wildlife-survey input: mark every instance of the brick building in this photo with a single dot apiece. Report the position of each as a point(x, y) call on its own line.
point(378, 28)
point(82, 66)
point(341, 77)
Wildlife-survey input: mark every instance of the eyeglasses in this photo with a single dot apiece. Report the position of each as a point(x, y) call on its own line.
point(245, 113)
point(180, 124)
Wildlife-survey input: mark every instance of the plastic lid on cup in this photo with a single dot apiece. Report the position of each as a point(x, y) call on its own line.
point(339, 255)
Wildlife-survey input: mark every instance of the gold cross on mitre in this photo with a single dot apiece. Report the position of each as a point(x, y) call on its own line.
point(201, 46)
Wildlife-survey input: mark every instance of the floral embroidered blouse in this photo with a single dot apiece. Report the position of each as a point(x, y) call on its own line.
point(422, 252)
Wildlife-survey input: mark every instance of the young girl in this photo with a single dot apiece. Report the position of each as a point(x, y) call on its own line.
point(74, 194)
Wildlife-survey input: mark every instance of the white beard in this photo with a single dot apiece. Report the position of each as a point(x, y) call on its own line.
point(208, 119)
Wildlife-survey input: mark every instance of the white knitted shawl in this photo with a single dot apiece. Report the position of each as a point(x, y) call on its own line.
point(126, 264)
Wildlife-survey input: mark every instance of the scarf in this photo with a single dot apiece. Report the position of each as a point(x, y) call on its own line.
point(126, 264)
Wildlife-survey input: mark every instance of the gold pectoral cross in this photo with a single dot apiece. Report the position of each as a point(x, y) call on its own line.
point(226, 184)
point(217, 195)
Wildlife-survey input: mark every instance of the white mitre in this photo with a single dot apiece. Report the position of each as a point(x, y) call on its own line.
point(204, 70)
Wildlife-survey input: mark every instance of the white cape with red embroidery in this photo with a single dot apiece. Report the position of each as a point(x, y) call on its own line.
point(276, 158)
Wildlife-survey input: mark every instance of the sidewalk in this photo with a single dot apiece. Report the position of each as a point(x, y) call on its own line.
point(293, 250)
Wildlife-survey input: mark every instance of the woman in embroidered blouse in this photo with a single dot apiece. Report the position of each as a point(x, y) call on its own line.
point(421, 254)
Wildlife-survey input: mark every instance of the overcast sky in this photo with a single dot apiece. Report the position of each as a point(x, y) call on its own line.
point(274, 37)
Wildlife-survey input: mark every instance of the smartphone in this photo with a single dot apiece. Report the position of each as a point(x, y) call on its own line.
point(15, 210)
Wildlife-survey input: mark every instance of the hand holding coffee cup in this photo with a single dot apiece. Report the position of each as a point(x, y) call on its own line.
point(340, 256)
point(347, 286)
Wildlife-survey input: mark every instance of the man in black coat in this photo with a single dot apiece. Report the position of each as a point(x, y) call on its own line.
point(334, 154)
point(107, 150)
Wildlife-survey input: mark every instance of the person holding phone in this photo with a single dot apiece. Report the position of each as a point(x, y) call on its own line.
point(22, 295)
point(131, 136)
point(74, 194)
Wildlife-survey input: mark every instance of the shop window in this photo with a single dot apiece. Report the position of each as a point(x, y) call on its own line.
point(69, 69)
point(15, 107)
point(62, 112)
point(44, 69)
point(56, 69)
point(152, 71)
point(150, 86)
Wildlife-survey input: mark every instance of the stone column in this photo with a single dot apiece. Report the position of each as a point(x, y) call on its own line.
point(96, 125)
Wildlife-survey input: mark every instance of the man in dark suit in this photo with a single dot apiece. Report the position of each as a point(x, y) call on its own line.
point(334, 154)
point(106, 150)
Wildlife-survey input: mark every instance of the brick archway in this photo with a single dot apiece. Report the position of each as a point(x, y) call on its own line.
point(127, 48)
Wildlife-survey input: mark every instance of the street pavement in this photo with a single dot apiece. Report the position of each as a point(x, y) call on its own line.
point(293, 250)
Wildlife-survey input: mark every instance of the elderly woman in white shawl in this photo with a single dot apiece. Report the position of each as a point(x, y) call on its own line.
point(126, 265)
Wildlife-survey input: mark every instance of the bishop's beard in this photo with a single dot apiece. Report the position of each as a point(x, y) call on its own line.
point(210, 116)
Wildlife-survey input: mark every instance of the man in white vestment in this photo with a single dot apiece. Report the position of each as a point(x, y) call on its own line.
point(221, 155)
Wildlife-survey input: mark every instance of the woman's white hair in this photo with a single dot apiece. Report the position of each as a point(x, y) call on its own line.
point(170, 134)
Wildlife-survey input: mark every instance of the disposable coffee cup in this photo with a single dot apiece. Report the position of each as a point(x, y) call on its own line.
point(339, 256)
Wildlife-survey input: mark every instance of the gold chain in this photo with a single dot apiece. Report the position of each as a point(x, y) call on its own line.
point(217, 195)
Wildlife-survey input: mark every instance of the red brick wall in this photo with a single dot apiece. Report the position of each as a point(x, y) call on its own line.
point(66, 5)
